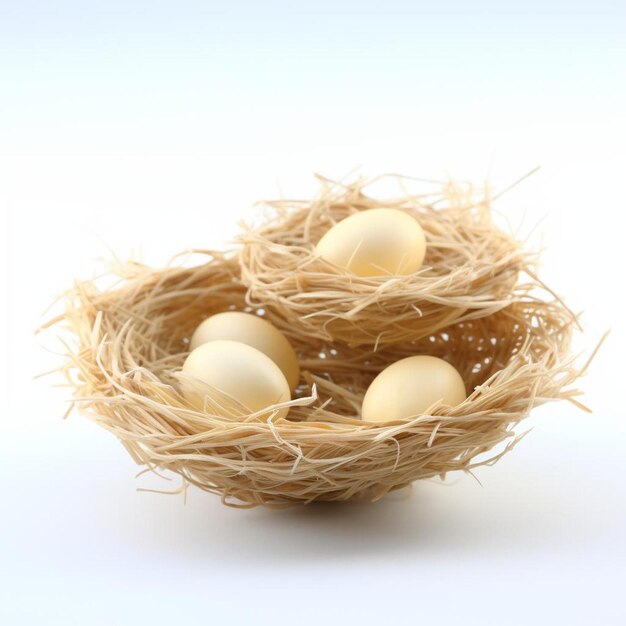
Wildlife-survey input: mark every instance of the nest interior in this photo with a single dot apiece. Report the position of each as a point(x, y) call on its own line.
point(129, 342)
point(471, 269)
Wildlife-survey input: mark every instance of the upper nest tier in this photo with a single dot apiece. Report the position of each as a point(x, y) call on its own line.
point(471, 269)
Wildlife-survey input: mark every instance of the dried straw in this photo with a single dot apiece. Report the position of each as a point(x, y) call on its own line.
point(471, 269)
point(127, 345)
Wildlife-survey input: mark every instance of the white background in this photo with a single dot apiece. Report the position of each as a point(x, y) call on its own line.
point(143, 130)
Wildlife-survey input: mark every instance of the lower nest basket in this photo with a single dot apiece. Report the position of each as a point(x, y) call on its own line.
point(128, 344)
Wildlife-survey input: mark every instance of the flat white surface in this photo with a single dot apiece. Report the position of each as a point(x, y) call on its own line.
point(142, 131)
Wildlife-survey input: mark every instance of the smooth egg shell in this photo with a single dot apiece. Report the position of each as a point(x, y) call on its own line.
point(238, 370)
point(375, 242)
point(254, 331)
point(408, 387)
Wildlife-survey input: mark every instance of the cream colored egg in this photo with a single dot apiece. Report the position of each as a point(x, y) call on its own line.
point(254, 331)
point(408, 387)
point(240, 372)
point(375, 242)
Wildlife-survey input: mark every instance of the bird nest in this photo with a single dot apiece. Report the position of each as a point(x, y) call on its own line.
point(472, 269)
point(128, 342)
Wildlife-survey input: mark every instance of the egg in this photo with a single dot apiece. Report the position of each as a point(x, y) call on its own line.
point(238, 370)
point(375, 242)
point(253, 331)
point(408, 387)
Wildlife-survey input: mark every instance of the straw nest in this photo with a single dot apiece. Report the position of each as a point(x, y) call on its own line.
point(128, 342)
point(471, 269)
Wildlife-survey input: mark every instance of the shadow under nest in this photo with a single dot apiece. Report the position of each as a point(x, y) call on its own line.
point(129, 343)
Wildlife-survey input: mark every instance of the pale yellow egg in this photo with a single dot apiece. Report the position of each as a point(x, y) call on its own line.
point(254, 331)
point(408, 387)
point(234, 370)
point(375, 242)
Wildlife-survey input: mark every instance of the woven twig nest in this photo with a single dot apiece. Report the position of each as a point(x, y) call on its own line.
point(130, 341)
point(471, 269)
